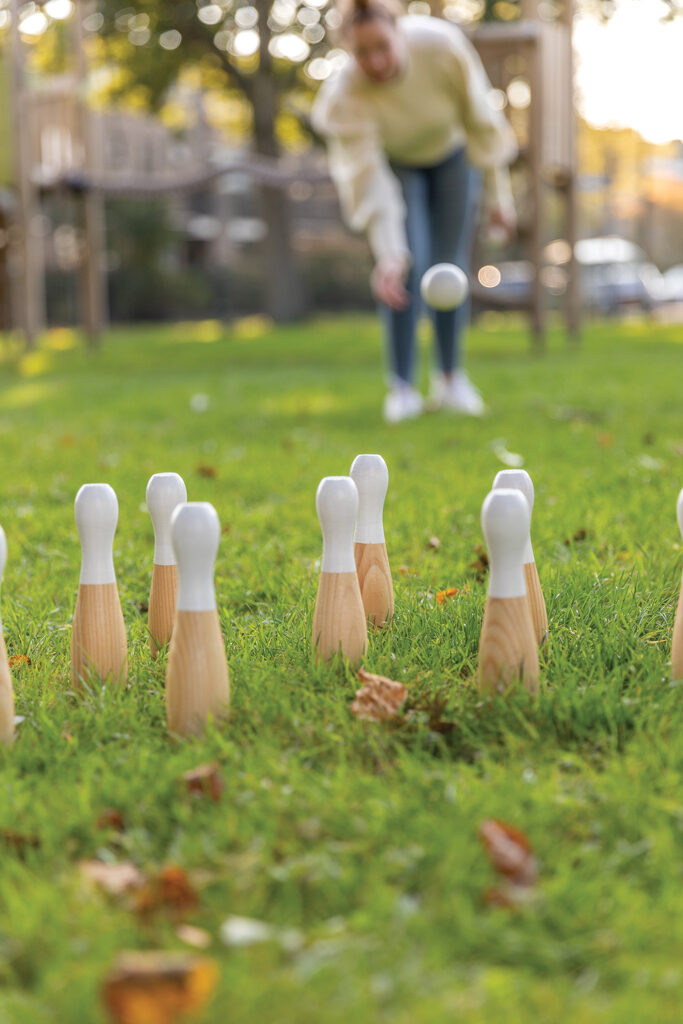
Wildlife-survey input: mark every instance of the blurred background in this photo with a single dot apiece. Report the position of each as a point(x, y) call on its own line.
point(157, 161)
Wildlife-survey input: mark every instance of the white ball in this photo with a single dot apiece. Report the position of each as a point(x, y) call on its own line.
point(444, 286)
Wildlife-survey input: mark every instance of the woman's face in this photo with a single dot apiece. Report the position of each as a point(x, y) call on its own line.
point(376, 46)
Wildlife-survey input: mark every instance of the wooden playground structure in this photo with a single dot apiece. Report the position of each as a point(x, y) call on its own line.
point(60, 143)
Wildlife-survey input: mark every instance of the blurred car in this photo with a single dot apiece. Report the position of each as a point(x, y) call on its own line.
point(673, 283)
point(615, 274)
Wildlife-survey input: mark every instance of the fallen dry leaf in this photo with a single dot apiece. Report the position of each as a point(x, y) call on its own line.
point(605, 440)
point(110, 818)
point(580, 535)
point(113, 878)
point(17, 660)
point(206, 471)
point(169, 890)
point(206, 780)
point(158, 987)
point(480, 566)
point(444, 595)
point(19, 841)
point(197, 937)
point(513, 858)
point(379, 699)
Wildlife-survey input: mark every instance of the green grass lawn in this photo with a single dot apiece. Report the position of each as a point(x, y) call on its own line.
point(362, 838)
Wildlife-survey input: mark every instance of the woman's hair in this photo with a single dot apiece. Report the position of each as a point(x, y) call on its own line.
point(359, 12)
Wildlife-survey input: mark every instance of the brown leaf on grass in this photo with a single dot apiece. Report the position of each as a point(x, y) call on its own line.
point(434, 543)
point(67, 441)
point(379, 699)
point(158, 987)
point(171, 890)
point(17, 660)
point(480, 565)
point(580, 535)
point(206, 780)
point(110, 818)
point(207, 471)
point(605, 439)
point(444, 595)
point(19, 842)
point(114, 879)
point(513, 858)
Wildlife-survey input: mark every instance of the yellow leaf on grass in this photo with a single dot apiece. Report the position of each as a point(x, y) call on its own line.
point(158, 987)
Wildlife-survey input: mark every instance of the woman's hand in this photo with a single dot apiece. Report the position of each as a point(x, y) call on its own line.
point(388, 283)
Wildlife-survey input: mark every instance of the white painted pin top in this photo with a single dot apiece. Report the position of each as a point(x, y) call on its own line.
point(505, 521)
point(521, 481)
point(371, 477)
point(195, 535)
point(336, 502)
point(97, 512)
point(164, 492)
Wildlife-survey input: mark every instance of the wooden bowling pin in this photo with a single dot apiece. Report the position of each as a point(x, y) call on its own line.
point(339, 622)
point(677, 639)
point(164, 492)
point(520, 479)
point(371, 477)
point(6, 692)
point(197, 678)
point(98, 638)
point(507, 647)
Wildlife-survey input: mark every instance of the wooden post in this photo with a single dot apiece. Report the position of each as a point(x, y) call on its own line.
point(573, 297)
point(93, 283)
point(30, 286)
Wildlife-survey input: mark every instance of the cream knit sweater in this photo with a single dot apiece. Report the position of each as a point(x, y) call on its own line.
point(438, 102)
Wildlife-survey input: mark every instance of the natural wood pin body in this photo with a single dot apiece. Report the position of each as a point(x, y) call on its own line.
point(539, 616)
point(197, 678)
point(339, 618)
point(507, 647)
point(677, 640)
point(6, 697)
point(374, 580)
point(98, 638)
point(162, 603)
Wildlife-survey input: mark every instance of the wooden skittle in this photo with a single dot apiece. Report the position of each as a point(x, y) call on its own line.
point(539, 615)
point(339, 622)
point(197, 678)
point(6, 691)
point(374, 580)
point(520, 479)
point(507, 646)
point(371, 477)
point(99, 646)
point(165, 491)
point(339, 618)
point(162, 601)
point(6, 698)
point(677, 637)
point(98, 638)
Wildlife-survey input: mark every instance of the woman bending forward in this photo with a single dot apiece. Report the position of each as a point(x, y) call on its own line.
point(411, 134)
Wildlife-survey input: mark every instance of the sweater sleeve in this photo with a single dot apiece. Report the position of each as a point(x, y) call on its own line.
point(369, 194)
point(491, 143)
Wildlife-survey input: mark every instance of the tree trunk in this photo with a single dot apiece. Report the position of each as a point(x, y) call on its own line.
point(284, 294)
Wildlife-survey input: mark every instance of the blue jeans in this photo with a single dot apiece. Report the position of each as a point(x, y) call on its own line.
point(441, 208)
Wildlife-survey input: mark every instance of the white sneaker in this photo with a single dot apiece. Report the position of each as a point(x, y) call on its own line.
point(457, 395)
point(403, 402)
